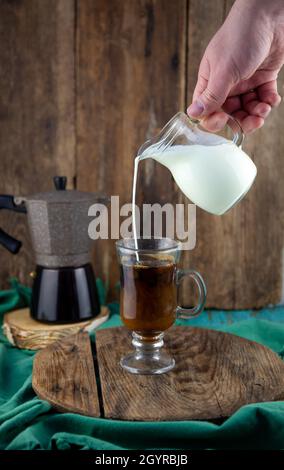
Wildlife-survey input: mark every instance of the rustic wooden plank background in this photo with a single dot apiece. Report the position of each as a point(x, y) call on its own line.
point(37, 117)
point(83, 83)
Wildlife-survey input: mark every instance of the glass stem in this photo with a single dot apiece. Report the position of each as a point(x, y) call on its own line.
point(147, 346)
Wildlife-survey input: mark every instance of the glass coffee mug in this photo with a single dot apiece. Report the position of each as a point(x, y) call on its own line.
point(149, 280)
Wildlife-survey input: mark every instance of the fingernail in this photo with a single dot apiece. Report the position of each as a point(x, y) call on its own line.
point(195, 109)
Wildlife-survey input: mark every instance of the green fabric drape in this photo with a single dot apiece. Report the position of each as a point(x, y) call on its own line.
point(26, 422)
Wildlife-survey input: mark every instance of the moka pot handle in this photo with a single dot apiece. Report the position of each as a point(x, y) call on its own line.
point(7, 201)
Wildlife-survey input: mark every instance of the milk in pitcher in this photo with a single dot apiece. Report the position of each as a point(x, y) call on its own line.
point(211, 176)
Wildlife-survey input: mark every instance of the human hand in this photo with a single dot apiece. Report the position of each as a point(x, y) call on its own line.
point(238, 72)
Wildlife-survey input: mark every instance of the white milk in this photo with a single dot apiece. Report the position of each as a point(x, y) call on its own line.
point(134, 184)
point(214, 177)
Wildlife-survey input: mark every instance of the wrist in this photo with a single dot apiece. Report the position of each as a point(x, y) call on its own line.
point(270, 11)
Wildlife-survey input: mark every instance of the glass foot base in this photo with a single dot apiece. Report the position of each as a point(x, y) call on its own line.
point(136, 364)
point(147, 358)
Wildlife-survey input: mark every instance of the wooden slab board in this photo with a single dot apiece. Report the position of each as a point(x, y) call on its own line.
point(64, 375)
point(216, 373)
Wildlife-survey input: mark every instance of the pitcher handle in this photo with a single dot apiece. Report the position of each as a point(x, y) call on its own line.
point(194, 311)
point(238, 133)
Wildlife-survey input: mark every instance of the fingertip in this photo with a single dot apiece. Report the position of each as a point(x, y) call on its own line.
point(195, 109)
point(273, 99)
point(269, 94)
point(263, 110)
point(251, 123)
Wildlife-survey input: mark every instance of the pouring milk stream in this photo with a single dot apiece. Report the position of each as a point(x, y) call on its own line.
point(212, 171)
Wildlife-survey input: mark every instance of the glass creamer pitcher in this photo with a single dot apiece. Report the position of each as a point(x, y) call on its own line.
point(211, 170)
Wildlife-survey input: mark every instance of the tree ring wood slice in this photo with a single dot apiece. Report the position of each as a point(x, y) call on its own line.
point(26, 333)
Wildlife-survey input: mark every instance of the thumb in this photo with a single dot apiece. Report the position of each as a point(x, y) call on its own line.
point(214, 94)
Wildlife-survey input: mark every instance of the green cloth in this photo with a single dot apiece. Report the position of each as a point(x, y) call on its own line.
point(26, 422)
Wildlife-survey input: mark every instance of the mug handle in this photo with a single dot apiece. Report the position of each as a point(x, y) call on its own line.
point(194, 311)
